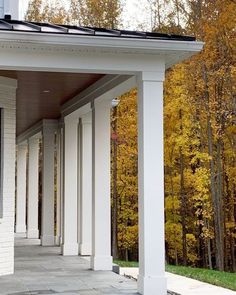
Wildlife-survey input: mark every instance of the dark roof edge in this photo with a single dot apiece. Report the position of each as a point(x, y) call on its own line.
point(7, 24)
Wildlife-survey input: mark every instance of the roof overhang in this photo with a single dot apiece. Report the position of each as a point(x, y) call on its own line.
point(171, 51)
point(120, 59)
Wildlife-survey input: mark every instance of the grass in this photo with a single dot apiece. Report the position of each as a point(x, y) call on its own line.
point(123, 263)
point(214, 277)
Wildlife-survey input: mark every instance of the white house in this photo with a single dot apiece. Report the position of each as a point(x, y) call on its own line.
point(56, 87)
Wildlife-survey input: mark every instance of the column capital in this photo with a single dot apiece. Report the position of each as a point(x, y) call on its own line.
point(34, 140)
point(102, 102)
point(73, 121)
point(50, 126)
point(22, 146)
point(86, 118)
point(157, 76)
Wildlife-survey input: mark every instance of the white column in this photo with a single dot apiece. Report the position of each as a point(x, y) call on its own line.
point(48, 182)
point(58, 186)
point(70, 216)
point(21, 189)
point(86, 185)
point(151, 280)
point(33, 189)
point(62, 181)
point(101, 217)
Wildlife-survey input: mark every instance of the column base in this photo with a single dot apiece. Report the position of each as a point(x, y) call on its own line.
point(32, 234)
point(101, 262)
point(152, 285)
point(70, 249)
point(85, 249)
point(47, 240)
point(20, 228)
point(57, 240)
point(20, 235)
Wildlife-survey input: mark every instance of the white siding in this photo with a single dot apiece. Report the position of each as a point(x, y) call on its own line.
point(7, 102)
point(1, 11)
point(13, 7)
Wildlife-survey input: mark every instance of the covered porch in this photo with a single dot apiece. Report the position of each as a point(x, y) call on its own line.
point(57, 87)
point(42, 270)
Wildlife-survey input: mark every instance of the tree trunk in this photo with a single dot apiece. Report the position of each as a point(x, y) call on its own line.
point(183, 200)
point(209, 250)
point(214, 195)
point(220, 209)
point(174, 213)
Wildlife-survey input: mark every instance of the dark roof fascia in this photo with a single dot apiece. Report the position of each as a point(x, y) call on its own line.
point(36, 27)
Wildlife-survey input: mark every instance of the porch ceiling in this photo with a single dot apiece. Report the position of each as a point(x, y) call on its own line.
point(40, 94)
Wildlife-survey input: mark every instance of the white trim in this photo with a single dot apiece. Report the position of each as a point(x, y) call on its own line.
point(117, 90)
point(74, 53)
point(95, 90)
point(75, 115)
point(8, 82)
point(129, 44)
point(114, 85)
point(36, 130)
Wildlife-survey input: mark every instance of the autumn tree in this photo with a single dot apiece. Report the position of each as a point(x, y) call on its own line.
point(199, 156)
point(96, 13)
point(39, 11)
point(199, 128)
point(124, 172)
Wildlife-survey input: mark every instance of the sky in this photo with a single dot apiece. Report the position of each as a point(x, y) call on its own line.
point(134, 13)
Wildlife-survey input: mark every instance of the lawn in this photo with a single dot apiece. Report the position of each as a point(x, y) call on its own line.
point(218, 278)
point(123, 263)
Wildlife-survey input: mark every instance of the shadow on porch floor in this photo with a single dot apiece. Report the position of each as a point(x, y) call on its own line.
point(42, 270)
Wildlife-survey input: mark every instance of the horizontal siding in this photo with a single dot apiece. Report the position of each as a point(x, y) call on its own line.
point(7, 102)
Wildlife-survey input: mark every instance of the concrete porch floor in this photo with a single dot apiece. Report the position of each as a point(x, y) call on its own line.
point(42, 270)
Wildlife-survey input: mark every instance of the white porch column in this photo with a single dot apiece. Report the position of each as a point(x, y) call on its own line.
point(101, 217)
point(58, 185)
point(70, 216)
point(151, 280)
point(21, 189)
point(86, 184)
point(33, 189)
point(62, 181)
point(48, 193)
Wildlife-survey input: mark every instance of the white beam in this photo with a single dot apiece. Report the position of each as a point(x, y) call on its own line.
point(86, 184)
point(151, 280)
point(32, 131)
point(101, 217)
point(33, 189)
point(114, 84)
point(21, 189)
